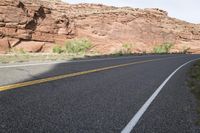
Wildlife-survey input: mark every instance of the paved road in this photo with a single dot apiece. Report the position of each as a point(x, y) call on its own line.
point(97, 100)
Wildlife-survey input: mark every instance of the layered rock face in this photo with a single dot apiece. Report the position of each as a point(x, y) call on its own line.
point(35, 26)
point(30, 25)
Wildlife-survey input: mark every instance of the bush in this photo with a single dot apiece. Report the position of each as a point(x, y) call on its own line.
point(164, 48)
point(194, 84)
point(58, 49)
point(127, 48)
point(78, 46)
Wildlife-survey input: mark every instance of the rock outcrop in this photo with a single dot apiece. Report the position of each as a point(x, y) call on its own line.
point(35, 26)
point(4, 46)
point(23, 21)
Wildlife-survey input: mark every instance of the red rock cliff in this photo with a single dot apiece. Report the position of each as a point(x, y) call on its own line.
point(36, 25)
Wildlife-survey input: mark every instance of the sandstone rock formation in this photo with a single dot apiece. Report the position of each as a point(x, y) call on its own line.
point(35, 26)
point(4, 46)
point(22, 21)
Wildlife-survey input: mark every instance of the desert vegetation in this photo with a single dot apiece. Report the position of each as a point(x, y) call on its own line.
point(194, 84)
point(75, 46)
point(18, 51)
point(78, 46)
point(163, 48)
point(58, 49)
point(125, 50)
point(26, 57)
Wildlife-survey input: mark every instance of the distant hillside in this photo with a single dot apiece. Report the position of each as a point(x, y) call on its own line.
point(37, 25)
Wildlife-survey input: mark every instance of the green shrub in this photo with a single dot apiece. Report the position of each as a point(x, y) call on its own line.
point(194, 83)
point(58, 49)
point(164, 48)
point(78, 46)
point(127, 48)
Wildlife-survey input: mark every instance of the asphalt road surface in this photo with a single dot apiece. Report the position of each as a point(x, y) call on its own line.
point(139, 94)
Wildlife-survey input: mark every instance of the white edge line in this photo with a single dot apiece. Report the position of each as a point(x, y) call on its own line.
point(129, 127)
point(63, 62)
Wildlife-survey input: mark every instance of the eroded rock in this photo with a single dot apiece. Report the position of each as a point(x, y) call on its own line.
point(33, 22)
point(30, 46)
point(4, 46)
point(14, 42)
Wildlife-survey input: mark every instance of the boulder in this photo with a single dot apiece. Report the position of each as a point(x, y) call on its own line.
point(14, 42)
point(31, 21)
point(48, 48)
point(30, 46)
point(4, 46)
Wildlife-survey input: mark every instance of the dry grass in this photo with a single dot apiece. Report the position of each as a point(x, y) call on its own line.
point(27, 57)
point(194, 84)
point(12, 58)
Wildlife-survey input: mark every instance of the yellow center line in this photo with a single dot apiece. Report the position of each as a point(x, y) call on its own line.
point(39, 81)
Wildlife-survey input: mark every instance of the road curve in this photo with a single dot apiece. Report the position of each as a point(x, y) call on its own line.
point(104, 96)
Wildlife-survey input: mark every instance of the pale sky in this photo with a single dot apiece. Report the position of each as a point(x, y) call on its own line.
point(188, 10)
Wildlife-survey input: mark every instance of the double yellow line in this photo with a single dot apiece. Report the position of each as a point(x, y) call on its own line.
point(39, 81)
